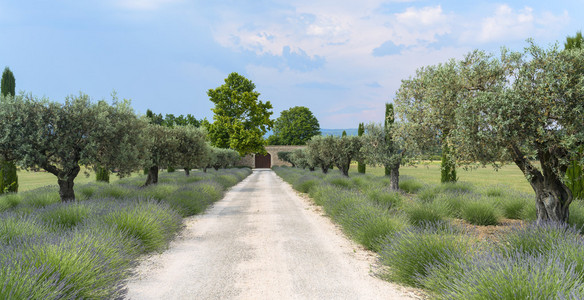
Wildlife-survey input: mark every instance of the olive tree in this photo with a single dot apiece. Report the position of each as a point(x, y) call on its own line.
point(527, 105)
point(379, 150)
point(224, 158)
point(191, 146)
point(208, 158)
point(426, 103)
point(346, 149)
point(301, 159)
point(163, 150)
point(62, 137)
point(287, 157)
point(320, 151)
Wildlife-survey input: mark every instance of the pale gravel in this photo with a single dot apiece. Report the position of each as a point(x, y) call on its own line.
point(262, 241)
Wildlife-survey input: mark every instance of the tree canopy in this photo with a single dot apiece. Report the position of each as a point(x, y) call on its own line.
point(524, 106)
point(427, 103)
point(60, 137)
point(295, 126)
point(240, 119)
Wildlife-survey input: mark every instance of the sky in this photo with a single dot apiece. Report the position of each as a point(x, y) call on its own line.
point(342, 59)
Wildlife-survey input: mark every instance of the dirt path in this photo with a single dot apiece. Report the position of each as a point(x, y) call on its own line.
point(262, 241)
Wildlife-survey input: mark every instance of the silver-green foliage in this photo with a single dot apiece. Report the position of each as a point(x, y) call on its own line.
point(523, 106)
point(326, 151)
point(60, 137)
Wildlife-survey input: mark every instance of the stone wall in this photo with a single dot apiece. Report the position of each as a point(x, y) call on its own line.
point(249, 160)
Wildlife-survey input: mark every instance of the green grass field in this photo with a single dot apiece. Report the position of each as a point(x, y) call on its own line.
point(29, 180)
point(508, 175)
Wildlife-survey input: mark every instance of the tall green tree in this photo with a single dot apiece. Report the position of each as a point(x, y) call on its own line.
point(574, 42)
point(62, 137)
point(241, 120)
point(575, 174)
point(295, 126)
point(361, 166)
point(8, 86)
point(8, 175)
point(387, 125)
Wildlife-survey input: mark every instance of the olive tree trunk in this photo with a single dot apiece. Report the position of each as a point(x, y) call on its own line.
point(187, 171)
point(552, 196)
point(394, 177)
point(152, 176)
point(66, 191)
point(65, 179)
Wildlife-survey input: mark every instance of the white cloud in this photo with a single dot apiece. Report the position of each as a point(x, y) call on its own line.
point(144, 4)
point(419, 25)
point(509, 24)
point(345, 35)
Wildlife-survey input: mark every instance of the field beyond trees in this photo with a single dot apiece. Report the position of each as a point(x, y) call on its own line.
point(429, 172)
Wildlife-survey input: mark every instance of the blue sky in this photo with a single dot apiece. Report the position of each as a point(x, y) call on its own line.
point(341, 59)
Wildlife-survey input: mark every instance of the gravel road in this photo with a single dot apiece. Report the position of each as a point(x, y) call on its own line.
point(262, 241)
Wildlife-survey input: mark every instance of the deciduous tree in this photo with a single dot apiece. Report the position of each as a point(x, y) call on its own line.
point(240, 119)
point(295, 126)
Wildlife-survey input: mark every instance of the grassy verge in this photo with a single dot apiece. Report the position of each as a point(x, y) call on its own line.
point(425, 240)
point(429, 172)
point(85, 249)
point(30, 180)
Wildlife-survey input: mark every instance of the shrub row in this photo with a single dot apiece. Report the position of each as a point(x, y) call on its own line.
point(85, 249)
point(414, 237)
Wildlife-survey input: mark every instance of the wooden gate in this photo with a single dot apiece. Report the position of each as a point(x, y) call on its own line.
point(263, 161)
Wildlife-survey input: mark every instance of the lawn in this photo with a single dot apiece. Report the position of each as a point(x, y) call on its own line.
point(508, 175)
point(30, 180)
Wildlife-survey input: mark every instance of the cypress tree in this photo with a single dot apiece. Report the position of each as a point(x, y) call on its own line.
point(8, 176)
point(344, 133)
point(575, 174)
point(447, 166)
point(361, 167)
point(389, 119)
point(102, 174)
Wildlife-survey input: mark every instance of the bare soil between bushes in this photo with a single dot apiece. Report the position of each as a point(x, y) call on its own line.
point(262, 241)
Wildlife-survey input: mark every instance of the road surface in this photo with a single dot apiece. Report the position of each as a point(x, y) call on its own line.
point(262, 241)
